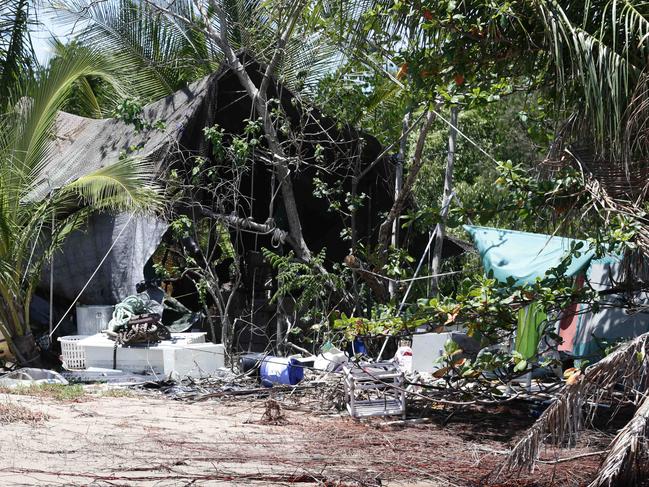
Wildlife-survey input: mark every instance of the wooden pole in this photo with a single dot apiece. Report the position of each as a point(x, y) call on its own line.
point(51, 320)
point(446, 203)
point(398, 184)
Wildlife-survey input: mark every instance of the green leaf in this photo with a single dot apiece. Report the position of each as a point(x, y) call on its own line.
point(520, 366)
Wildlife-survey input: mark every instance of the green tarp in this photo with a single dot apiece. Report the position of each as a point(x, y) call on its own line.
point(525, 256)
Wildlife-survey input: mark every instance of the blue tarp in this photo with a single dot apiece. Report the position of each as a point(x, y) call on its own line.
point(525, 256)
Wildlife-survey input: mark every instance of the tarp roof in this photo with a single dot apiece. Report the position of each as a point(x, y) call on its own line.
point(525, 256)
point(83, 145)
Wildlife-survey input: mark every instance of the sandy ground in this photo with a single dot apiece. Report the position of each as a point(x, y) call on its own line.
point(160, 442)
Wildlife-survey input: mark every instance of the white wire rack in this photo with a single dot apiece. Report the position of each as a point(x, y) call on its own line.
point(374, 389)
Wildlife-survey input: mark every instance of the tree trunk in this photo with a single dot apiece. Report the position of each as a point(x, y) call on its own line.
point(26, 351)
point(385, 230)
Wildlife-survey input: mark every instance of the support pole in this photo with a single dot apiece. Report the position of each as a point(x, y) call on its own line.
point(398, 184)
point(51, 327)
point(440, 229)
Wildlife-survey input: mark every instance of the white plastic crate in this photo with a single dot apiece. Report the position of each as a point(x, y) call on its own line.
point(74, 356)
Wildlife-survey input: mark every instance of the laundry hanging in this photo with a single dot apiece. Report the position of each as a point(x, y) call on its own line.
point(531, 320)
point(569, 320)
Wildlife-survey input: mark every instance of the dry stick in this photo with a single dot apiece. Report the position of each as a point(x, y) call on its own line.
point(220, 476)
point(564, 417)
point(441, 401)
point(245, 224)
point(574, 457)
point(545, 462)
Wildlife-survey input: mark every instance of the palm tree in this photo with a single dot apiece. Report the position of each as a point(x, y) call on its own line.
point(32, 229)
point(16, 54)
point(176, 52)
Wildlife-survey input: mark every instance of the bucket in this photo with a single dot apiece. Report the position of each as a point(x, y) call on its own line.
point(280, 370)
point(91, 319)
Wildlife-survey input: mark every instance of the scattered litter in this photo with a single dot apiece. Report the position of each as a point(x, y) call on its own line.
point(250, 362)
point(403, 358)
point(29, 376)
point(330, 360)
point(94, 374)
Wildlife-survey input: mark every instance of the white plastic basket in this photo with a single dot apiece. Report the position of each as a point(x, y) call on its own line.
point(74, 356)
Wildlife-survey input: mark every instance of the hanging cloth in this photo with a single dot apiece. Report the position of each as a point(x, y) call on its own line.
point(569, 320)
point(528, 333)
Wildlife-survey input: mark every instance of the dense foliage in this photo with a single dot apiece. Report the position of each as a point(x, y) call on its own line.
point(529, 79)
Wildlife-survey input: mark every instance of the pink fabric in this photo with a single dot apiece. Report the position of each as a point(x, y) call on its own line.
point(568, 323)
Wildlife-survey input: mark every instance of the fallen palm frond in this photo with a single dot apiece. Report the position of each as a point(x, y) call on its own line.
point(628, 451)
point(563, 419)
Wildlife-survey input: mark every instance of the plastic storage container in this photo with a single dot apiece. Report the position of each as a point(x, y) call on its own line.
point(280, 370)
point(92, 319)
point(74, 356)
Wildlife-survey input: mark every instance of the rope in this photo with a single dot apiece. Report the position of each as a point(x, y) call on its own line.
point(142, 333)
point(397, 281)
point(128, 308)
point(278, 238)
point(468, 139)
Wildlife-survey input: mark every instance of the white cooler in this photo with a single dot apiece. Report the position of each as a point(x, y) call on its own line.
point(185, 355)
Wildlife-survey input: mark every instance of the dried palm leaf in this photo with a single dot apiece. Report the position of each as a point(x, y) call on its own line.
point(565, 417)
point(627, 453)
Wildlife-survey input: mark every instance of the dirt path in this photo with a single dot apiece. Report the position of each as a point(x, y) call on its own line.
point(144, 441)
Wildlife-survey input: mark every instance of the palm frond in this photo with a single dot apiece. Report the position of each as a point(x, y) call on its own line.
point(16, 52)
point(564, 418)
point(124, 186)
point(628, 452)
point(30, 137)
point(159, 54)
point(598, 59)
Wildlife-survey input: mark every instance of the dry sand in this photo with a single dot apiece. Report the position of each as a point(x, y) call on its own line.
point(142, 440)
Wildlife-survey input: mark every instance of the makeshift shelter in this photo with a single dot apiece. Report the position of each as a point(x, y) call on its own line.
point(124, 243)
point(102, 263)
point(525, 257)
